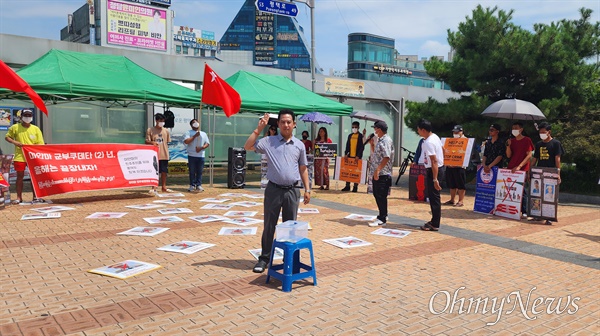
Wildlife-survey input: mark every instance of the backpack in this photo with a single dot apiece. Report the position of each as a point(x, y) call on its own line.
point(169, 119)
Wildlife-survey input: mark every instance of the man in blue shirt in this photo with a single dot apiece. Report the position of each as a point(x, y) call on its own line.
point(196, 142)
point(286, 164)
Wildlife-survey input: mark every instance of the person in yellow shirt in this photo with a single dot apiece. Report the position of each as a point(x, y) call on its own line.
point(354, 149)
point(23, 133)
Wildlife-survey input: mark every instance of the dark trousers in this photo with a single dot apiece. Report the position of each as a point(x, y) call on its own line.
point(434, 197)
point(276, 200)
point(381, 188)
point(196, 166)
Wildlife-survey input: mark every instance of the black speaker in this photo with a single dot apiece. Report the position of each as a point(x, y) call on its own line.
point(236, 168)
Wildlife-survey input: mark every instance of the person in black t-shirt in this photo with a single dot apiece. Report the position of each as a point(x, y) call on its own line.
point(495, 149)
point(547, 153)
point(549, 150)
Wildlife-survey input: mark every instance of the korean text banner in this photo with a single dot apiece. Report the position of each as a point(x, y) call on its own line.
point(136, 26)
point(58, 169)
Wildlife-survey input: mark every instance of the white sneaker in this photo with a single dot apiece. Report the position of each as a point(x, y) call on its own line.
point(376, 223)
point(191, 189)
point(199, 188)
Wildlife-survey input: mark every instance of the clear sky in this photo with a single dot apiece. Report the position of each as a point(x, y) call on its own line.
point(418, 26)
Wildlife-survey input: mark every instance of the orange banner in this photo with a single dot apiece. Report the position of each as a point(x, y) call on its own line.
point(350, 170)
point(455, 150)
point(58, 169)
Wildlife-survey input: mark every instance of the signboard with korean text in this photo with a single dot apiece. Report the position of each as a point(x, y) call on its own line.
point(509, 193)
point(417, 185)
point(264, 38)
point(485, 191)
point(58, 169)
point(352, 170)
point(543, 193)
point(457, 151)
point(342, 87)
point(195, 38)
point(136, 26)
point(277, 7)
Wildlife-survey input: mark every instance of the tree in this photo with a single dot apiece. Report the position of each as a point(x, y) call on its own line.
point(551, 66)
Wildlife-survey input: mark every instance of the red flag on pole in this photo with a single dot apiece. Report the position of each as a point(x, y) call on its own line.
point(215, 91)
point(10, 80)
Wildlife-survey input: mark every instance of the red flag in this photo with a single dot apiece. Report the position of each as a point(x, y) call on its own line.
point(10, 80)
point(216, 91)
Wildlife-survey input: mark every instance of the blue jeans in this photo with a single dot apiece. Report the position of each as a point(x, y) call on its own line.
point(196, 166)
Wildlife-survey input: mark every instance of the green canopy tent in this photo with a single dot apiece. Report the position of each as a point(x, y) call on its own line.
point(64, 76)
point(262, 93)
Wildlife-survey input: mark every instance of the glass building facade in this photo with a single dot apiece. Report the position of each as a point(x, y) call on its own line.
point(372, 57)
point(276, 41)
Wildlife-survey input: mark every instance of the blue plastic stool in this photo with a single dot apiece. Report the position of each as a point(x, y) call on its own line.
point(291, 264)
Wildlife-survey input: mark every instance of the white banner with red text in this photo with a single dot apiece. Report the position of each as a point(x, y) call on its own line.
point(58, 169)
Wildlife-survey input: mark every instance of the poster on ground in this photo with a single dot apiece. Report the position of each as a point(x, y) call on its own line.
point(186, 247)
point(543, 193)
point(509, 193)
point(485, 191)
point(143, 231)
point(352, 170)
point(125, 269)
point(58, 169)
point(347, 242)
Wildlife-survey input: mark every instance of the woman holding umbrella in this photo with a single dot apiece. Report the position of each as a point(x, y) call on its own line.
point(322, 165)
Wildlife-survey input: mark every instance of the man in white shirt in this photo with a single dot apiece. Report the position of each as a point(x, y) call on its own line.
point(433, 157)
point(196, 143)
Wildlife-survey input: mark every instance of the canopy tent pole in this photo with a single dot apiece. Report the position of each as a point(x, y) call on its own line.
point(213, 140)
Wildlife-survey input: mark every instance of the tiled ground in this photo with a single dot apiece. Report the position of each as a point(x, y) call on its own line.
point(384, 288)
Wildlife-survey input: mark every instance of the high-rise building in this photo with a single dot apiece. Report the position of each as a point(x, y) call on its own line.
point(265, 39)
point(373, 57)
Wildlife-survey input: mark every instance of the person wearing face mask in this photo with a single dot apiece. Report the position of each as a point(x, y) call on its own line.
point(159, 136)
point(548, 152)
point(519, 150)
point(196, 142)
point(456, 177)
point(23, 133)
point(354, 149)
point(307, 143)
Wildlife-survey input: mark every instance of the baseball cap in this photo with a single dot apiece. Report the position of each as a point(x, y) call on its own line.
point(497, 127)
point(457, 128)
point(26, 111)
point(381, 125)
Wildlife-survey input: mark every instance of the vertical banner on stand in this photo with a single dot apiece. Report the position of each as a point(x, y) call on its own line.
point(543, 193)
point(352, 170)
point(509, 193)
point(485, 191)
point(310, 163)
point(5, 164)
point(417, 188)
point(263, 171)
point(58, 169)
